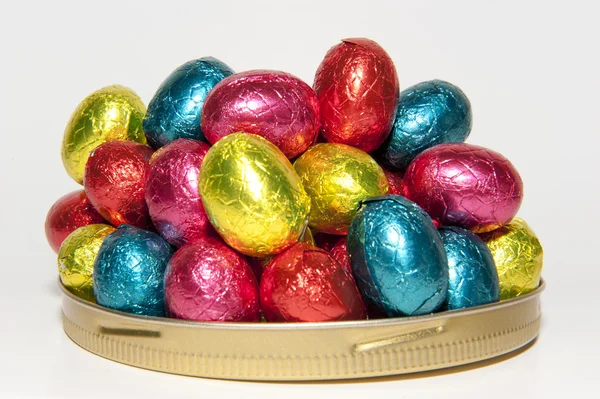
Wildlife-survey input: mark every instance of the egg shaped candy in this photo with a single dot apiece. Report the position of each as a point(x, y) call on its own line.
point(473, 279)
point(339, 252)
point(272, 104)
point(252, 195)
point(358, 92)
point(465, 185)
point(518, 256)
point(172, 192)
point(129, 271)
point(115, 182)
point(111, 113)
point(337, 177)
point(76, 258)
point(429, 113)
point(395, 182)
point(397, 257)
point(175, 111)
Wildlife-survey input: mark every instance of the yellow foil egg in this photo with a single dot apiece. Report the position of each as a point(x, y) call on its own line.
point(76, 258)
point(111, 113)
point(519, 257)
point(252, 195)
point(337, 177)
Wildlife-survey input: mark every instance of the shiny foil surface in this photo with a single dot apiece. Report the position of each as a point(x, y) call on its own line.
point(275, 105)
point(358, 93)
point(129, 271)
point(519, 257)
point(465, 185)
point(175, 111)
point(397, 257)
point(115, 182)
point(208, 281)
point(111, 113)
point(337, 177)
point(305, 284)
point(473, 278)
point(68, 213)
point(429, 113)
point(339, 252)
point(172, 192)
point(252, 195)
point(77, 256)
point(395, 182)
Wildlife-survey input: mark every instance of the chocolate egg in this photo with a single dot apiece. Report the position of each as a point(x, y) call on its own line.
point(397, 257)
point(175, 111)
point(337, 177)
point(172, 192)
point(518, 256)
point(395, 182)
point(429, 113)
point(465, 185)
point(208, 281)
point(111, 113)
point(358, 92)
point(306, 284)
point(339, 252)
point(272, 104)
point(252, 195)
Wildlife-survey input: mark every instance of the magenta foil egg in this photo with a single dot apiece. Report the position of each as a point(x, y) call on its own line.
point(275, 105)
point(172, 192)
point(465, 185)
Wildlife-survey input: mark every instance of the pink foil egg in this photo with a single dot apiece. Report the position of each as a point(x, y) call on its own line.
point(172, 192)
point(275, 105)
point(465, 185)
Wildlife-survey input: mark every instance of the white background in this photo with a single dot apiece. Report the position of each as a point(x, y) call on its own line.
point(530, 69)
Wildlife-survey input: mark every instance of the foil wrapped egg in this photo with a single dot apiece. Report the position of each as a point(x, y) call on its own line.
point(429, 113)
point(111, 113)
point(208, 281)
point(172, 192)
point(339, 252)
point(115, 182)
point(395, 182)
point(76, 258)
point(473, 279)
point(519, 257)
point(337, 177)
point(129, 271)
point(252, 195)
point(465, 185)
point(68, 213)
point(305, 284)
point(272, 104)
point(358, 92)
point(175, 111)
point(397, 257)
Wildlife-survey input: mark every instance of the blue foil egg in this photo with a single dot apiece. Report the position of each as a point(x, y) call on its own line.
point(429, 113)
point(397, 257)
point(175, 111)
point(473, 277)
point(129, 271)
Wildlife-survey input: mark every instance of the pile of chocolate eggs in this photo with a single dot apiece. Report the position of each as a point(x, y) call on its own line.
point(249, 196)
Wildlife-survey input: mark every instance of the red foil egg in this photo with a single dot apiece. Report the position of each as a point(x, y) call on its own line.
point(395, 182)
point(358, 92)
point(465, 185)
point(172, 192)
point(340, 253)
point(69, 213)
point(272, 104)
point(306, 284)
point(115, 182)
point(208, 281)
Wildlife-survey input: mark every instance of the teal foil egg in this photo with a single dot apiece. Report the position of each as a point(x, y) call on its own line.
point(129, 271)
point(473, 277)
point(397, 257)
point(175, 111)
point(429, 113)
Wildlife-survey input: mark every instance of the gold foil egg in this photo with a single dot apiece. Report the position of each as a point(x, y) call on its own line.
point(111, 113)
point(76, 258)
point(337, 177)
point(518, 255)
point(252, 195)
